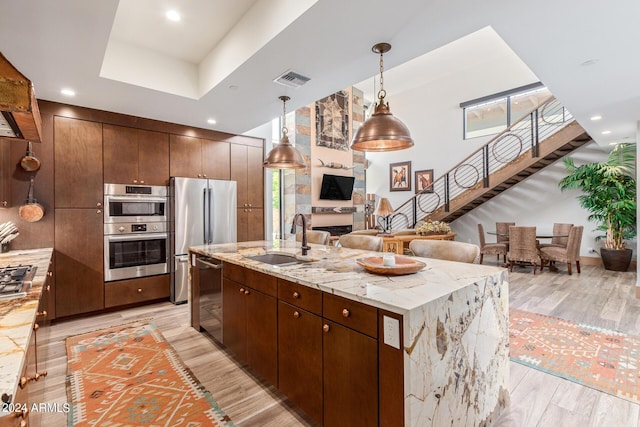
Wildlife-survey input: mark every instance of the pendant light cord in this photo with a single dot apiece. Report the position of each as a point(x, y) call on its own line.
point(284, 117)
point(381, 93)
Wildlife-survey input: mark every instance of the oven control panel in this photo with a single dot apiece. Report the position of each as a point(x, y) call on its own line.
point(135, 228)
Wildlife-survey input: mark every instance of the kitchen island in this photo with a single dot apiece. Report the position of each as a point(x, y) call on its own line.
point(441, 334)
point(19, 318)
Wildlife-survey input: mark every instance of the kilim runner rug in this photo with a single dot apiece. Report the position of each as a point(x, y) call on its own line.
point(594, 357)
point(130, 376)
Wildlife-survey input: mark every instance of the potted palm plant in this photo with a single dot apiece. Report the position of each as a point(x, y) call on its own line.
point(609, 194)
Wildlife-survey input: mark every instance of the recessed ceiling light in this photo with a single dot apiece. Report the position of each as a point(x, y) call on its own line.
point(606, 132)
point(233, 87)
point(68, 92)
point(173, 15)
point(596, 117)
point(211, 121)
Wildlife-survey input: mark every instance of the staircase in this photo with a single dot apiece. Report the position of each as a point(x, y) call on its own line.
point(538, 139)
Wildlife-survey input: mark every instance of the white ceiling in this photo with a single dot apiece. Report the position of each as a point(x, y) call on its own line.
point(220, 60)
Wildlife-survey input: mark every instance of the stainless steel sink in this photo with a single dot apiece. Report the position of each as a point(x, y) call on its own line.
point(276, 259)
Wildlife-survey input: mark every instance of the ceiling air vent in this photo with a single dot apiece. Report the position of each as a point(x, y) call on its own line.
point(291, 79)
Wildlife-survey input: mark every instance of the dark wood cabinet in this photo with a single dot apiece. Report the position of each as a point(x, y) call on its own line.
point(123, 292)
point(78, 161)
point(249, 312)
point(79, 261)
point(234, 318)
point(300, 358)
point(248, 172)
point(262, 337)
point(199, 158)
point(135, 156)
point(250, 224)
point(350, 377)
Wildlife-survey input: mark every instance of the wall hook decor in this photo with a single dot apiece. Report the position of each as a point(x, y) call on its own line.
point(334, 165)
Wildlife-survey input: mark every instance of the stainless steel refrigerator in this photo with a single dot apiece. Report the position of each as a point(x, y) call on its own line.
point(203, 211)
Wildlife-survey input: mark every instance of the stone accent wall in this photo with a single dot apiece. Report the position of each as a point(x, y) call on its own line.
point(297, 183)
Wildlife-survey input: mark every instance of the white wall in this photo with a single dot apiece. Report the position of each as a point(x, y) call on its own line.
point(536, 201)
point(433, 115)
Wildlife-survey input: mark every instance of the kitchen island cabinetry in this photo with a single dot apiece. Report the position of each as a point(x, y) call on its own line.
point(135, 156)
point(192, 157)
point(389, 346)
point(300, 346)
point(249, 311)
point(248, 172)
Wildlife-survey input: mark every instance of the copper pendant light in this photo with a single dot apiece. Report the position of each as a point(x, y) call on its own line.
point(284, 155)
point(382, 131)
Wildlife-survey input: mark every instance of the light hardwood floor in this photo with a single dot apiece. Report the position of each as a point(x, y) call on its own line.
point(598, 297)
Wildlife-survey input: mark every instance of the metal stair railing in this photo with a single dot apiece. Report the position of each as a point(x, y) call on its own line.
point(522, 137)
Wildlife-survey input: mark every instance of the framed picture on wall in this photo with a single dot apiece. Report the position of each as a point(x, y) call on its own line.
point(400, 176)
point(424, 181)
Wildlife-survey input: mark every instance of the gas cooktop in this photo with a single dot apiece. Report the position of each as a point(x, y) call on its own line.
point(15, 280)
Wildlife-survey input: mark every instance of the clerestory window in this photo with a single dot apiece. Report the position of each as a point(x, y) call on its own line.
point(492, 114)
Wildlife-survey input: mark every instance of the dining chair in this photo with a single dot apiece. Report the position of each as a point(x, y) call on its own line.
point(315, 236)
point(523, 247)
point(491, 248)
point(369, 243)
point(559, 230)
point(502, 232)
point(570, 254)
point(448, 250)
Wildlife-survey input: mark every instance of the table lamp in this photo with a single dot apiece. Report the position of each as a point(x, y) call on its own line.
point(383, 212)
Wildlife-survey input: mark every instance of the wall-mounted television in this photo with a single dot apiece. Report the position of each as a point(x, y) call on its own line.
point(336, 187)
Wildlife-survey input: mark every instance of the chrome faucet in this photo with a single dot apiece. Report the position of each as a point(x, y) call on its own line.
point(305, 246)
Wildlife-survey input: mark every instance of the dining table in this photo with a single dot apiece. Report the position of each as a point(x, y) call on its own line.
point(539, 235)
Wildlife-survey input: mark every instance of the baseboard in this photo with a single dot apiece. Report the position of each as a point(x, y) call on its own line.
point(597, 261)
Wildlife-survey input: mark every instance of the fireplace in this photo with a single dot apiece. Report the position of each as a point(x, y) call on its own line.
point(335, 230)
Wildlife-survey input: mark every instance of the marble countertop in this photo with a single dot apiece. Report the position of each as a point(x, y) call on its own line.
point(17, 316)
point(335, 270)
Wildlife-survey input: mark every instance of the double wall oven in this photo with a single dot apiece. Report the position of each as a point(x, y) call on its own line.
point(136, 232)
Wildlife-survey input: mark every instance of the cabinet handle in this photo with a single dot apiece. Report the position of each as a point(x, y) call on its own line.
point(4, 203)
point(139, 290)
point(36, 327)
point(326, 327)
point(98, 205)
point(99, 211)
point(23, 382)
point(249, 204)
point(296, 295)
point(345, 312)
point(246, 292)
point(42, 313)
point(48, 288)
point(296, 314)
point(204, 175)
point(49, 273)
point(135, 181)
point(241, 290)
point(141, 181)
point(199, 175)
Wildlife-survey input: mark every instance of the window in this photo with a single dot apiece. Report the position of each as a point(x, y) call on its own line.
point(492, 114)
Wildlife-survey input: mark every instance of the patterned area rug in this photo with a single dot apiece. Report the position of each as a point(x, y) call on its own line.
point(130, 376)
point(594, 357)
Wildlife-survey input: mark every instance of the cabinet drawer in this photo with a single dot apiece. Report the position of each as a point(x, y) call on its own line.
point(136, 290)
point(301, 296)
point(254, 279)
point(352, 314)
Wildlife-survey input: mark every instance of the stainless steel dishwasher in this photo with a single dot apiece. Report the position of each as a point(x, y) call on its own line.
point(210, 285)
